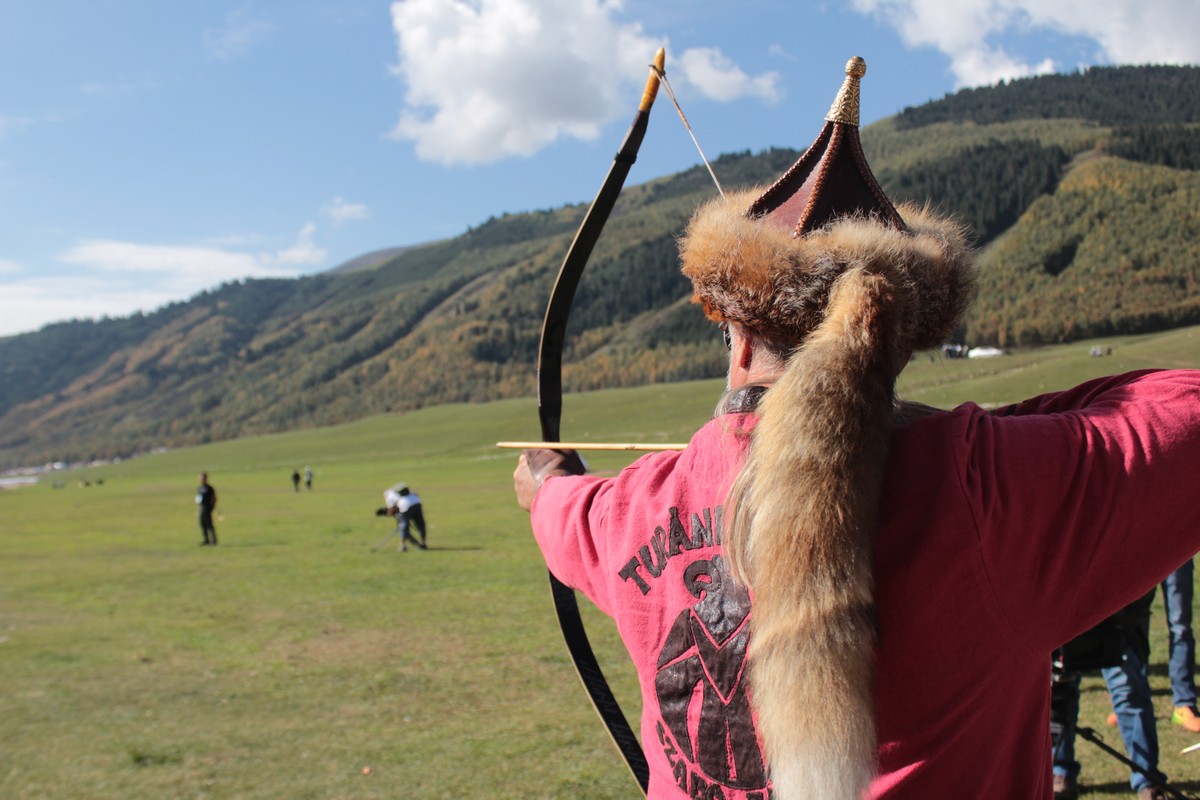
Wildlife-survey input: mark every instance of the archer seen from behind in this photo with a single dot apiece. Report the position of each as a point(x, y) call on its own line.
point(870, 589)
point(206, 504)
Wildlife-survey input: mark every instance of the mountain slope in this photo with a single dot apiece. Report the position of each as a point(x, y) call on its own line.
point(1086, 222)
point(1115, 249)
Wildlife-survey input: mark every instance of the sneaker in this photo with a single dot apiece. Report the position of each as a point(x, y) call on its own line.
point(1151, 793)
point(1185, 716)
point(1065, 788)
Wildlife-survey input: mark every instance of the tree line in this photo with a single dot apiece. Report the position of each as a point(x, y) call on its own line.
point(1081, 235)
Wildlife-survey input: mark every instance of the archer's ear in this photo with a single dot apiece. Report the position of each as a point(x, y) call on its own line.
point(741, 348)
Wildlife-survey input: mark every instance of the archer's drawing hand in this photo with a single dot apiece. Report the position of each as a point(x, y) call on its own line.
point(534, 466)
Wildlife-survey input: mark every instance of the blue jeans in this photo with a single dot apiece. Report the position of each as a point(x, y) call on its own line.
point(1064, 751)
point(1129, 688)
point(1177, 599)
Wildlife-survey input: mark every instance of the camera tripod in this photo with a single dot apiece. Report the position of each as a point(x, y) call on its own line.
point(402, 534)
point(1095, 738)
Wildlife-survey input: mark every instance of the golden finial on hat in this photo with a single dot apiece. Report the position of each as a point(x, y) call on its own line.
point(845, 105)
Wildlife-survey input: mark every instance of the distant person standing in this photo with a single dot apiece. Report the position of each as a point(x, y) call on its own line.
point(296, 481)
point(206, 500)
point(308, 478)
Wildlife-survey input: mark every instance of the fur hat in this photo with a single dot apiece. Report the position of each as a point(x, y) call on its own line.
point(776, 284)
point(824, 267)
point(768, 262)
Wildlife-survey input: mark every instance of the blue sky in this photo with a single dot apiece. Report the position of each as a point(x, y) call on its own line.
point(150, 149)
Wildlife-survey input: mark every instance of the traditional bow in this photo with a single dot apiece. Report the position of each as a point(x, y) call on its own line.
point(549, 385)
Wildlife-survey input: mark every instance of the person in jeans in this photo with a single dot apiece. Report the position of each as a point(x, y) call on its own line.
point(1177, 589)
point(1129, 688)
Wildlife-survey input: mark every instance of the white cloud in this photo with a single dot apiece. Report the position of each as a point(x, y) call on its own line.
point(112, 278)
point(489, 79)
point(21, 125)
point(971, 32)
point(717, 77)
point(340, 211)
point(116, 86)
point(779, 51)
point(237, 34)
point(13, 124)
point(303, 252)
point(197, 266)
point(106, 277)
point(234, 241)
point(30, 304)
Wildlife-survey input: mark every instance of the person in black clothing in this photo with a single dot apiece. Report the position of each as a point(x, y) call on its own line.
point(404, 504)
point(1120, 647)
point(206, 499)
point(295, 480)
point(413, 515)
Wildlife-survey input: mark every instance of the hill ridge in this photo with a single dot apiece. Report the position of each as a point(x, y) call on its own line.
point(458, 319)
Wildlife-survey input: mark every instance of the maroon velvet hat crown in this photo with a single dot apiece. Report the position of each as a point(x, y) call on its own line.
point(832, 178)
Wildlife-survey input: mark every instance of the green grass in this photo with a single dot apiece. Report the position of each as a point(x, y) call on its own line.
point(287, 660)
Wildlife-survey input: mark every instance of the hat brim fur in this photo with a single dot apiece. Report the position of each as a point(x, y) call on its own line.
point(775, 284)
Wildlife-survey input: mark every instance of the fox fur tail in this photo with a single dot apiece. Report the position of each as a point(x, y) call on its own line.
point(801, 521)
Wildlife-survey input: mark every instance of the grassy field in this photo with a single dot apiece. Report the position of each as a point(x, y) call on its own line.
point(292, 662)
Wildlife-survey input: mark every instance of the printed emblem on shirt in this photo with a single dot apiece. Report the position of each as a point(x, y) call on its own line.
point(706, 728)
point(670, 542)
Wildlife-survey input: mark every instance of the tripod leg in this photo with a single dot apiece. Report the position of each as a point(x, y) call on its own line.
point(383, 541)
point(1098, 740)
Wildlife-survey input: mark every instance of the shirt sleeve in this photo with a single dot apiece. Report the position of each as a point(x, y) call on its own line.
point(1084, 499)
point(568, 518)
point(588, 528)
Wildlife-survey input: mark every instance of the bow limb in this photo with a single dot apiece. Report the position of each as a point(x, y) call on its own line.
point(549, 386)
point(554, 326)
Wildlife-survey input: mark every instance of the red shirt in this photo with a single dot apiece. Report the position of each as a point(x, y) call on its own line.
point(1004, 534)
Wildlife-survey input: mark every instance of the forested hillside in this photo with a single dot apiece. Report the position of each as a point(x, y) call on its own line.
point(1116, 249)
point(1081, 191)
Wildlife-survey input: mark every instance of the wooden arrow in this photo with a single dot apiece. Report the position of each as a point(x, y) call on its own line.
point(590, 446)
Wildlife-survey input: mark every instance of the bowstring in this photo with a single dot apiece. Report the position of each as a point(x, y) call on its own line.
point(666, 84)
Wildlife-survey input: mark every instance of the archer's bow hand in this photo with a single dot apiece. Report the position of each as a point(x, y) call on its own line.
point(534, 466)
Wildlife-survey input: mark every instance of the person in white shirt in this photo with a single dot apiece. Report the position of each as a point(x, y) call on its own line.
point(405, 506)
